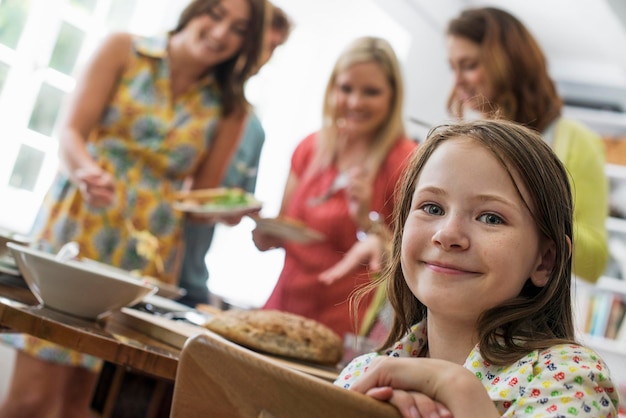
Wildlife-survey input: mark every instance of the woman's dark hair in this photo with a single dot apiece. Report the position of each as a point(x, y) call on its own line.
point(232, 73)
point(538, 317)
point(514, 64)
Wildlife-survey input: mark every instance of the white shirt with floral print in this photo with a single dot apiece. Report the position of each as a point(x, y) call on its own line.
point(563, 381)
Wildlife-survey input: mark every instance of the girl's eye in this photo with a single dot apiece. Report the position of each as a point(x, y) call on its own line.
point(432, 209)
point(491, 219)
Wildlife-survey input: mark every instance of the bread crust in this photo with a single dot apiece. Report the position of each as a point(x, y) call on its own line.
point(279, 333)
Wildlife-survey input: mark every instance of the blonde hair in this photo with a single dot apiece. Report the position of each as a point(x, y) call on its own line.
point(362, 50)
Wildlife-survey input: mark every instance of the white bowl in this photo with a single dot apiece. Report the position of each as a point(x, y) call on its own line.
point(77, 288)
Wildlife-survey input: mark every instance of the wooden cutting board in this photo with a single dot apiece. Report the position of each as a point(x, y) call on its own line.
point(176, 333)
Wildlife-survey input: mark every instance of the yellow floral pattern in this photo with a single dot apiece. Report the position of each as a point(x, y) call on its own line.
point(150, 143)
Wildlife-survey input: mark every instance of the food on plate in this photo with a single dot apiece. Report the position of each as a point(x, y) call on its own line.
point(216, 200)
point(279, 333)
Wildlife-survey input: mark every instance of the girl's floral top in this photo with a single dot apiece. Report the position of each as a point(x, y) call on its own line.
point(562, 381)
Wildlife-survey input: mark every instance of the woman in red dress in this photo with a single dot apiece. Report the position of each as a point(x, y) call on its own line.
point(341, 183)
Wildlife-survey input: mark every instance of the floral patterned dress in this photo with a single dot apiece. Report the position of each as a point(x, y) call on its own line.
point(149, 144)
point(563, 381)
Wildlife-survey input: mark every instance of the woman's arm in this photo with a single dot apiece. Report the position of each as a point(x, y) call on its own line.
point(213, 168)
point(265, 242)
point(93, 91)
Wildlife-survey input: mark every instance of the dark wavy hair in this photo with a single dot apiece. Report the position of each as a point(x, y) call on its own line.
point(538, 317)
point(515, 65)
point(232, 73)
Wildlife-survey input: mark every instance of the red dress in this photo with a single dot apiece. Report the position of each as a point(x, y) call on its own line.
point(298, 289)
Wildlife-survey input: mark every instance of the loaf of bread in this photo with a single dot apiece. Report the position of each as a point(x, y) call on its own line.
point(279, 333)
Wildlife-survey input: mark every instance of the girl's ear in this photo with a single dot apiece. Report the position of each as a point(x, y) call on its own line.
point(545, 264)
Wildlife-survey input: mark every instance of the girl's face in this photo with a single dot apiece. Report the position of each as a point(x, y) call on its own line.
point(218, 35)
point(362, 96)
point(469, 241)
point(471, 84)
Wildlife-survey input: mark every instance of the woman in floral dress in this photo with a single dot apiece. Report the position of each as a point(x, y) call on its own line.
point(143, 119)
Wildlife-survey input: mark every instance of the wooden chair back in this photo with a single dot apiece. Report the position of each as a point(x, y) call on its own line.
point(217, 378)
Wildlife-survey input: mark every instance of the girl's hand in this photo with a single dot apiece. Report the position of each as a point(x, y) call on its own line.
point(420, 386)
point(410, 404)
point(96, 185)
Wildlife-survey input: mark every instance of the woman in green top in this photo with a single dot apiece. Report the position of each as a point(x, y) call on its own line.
point(501, 72)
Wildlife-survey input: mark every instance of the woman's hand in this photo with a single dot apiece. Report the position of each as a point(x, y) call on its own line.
point(230, 220)
point(367, 252)
point(359, 194)
point(96, 185)
point(419, 387)
point(265, 241)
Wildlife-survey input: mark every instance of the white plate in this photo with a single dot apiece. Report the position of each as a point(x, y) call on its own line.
point(216, 210)
point(202, 202)
point(287, 230)
point(9, 236)
point(167, 304)
point(8, 265)
point(13, 271)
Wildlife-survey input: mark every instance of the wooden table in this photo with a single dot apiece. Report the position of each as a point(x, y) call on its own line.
point(129, 339)
point(110, 339)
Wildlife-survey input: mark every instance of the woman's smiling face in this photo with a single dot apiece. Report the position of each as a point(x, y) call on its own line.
point(216, 36)
point(471, 84)
point(362, 98)
point(470, 242)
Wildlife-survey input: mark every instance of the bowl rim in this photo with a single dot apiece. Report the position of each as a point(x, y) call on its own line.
point(84, 267)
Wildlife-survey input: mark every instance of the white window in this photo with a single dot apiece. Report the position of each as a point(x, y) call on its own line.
point(43, 45)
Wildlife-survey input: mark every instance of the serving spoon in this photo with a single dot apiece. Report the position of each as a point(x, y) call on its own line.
point(68, 252)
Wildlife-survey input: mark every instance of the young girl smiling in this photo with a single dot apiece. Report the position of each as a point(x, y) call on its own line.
point(479, 281)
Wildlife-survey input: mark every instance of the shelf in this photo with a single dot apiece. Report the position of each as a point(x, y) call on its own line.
point(604, 344)
point(616, 171)
point(611, 284)
point(614, 224)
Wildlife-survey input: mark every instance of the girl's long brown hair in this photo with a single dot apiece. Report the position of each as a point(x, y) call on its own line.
point(538, 317)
